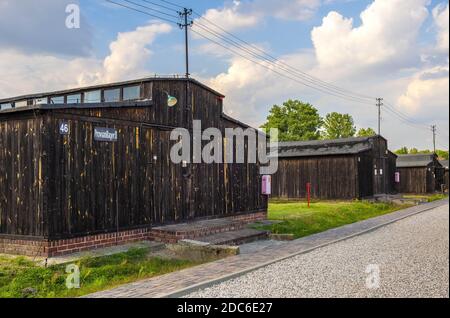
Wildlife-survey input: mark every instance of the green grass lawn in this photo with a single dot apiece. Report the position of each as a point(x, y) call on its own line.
point(427, 197)
point(302, 221)
point(20, 277)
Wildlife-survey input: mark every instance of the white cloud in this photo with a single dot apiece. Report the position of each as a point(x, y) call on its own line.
point(441, 19)
point(386, 35)
point(130, 51)
point(288, 9)
point(230, 18)
point(244, 14)
point(427, 93)
point(378, 58)
point(24, 73)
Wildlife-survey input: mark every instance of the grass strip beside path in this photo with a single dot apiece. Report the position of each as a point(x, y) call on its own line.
point(22, 278)
point(297, 219)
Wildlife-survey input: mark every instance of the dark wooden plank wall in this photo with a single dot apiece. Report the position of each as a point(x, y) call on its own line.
point(422, 180)
point(414, 180)
point(439, 176)
point(366, 174)
point(446, 180)
point(82, 194)
point(391, 169)
point(81, 176)
point(331, 177)
point(21, 177)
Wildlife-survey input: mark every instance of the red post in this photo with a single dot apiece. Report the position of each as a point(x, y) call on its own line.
point(308, 190)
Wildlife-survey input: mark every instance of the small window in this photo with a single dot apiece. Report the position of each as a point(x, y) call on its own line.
point(22, 103)
point(5, 106)
point(132, 92)
point(112, 95)
point(74, 99)
point(57, 100)
point(40, 101)
point(92, 97)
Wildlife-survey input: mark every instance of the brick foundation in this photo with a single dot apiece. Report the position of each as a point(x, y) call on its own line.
point(44, 248)
point(174, 233)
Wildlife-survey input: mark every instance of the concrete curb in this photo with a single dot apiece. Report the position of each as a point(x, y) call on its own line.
point(185, 291)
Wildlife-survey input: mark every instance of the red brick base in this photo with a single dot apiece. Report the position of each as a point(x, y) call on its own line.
point(45, 248)
point(174, 233)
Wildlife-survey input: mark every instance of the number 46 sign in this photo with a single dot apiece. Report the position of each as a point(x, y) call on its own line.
point(64, 128)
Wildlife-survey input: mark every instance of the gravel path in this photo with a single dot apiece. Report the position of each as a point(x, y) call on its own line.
point(410, 257)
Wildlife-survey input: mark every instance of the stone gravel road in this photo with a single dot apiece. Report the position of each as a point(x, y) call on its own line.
point(409, 258)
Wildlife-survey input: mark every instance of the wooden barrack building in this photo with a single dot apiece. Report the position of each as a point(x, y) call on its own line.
point(346, 168)
point(91, 166)
point(420, 173)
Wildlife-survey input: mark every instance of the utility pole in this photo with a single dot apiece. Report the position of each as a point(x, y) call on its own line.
point(187, 184)
point(185, 14)
point(379, 104)
point(433, 129)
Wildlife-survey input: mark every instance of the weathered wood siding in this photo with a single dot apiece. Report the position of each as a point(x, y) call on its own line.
point(21, 177)
point(392, 169)
point(366, 175)
point(331, 177)
point(415, 180)
point(422, 180)
point(63, 186)
point(349, 176)
point(446, 180)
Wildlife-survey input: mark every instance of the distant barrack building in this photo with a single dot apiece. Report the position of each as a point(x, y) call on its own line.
point(420, 173)
point(90, 167)
point(348, 168)
point(444, 164)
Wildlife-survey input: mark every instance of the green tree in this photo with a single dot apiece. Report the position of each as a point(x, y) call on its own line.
point(442, 154)
point(295, 120)
point(369, 132)
point(402, 151)
point(338, 126)
point(414, 151)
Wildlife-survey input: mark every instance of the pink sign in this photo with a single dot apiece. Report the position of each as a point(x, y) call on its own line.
point(397, 177)
point(267, 185)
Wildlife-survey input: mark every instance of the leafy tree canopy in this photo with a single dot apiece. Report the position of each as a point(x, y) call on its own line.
point(402, 151)
point(295, 120)
point(442, 154)
point(338, 126)
point(369, 132)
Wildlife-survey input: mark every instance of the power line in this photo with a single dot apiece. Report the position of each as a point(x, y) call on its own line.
point(266, 60)
point(405, 117)
point(172, 4)
point(159, 5)
point(148, 8)
point(277, 65)
point(272, 69)
point(144, 12)
point(324, 90)
point(274, 59)
point(389, 110)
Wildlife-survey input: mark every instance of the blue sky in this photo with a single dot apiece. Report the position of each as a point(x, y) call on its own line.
point(396, 49)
